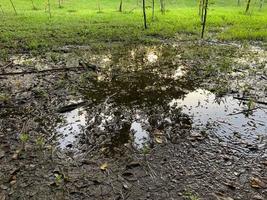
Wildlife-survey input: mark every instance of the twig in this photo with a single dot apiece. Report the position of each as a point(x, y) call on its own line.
point(243, 111)
point(247, 99)
point(43, 71)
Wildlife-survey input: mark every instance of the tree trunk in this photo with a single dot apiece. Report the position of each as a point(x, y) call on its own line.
point(200, 7)
point(261, 4)
point(33, 6)
point(238, 2)
point(49, 8)
point(13, 7)
point(120, 7)
point(153, 10)
point(248, 5)
point(206, 3)
point(2, 9)
point(144, 13)
point(59, 4)
point(162, 6)
point(98, 4)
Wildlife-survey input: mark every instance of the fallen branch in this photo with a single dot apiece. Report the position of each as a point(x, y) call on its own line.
point(248, 99)
point(43, 71)
point(243, 111)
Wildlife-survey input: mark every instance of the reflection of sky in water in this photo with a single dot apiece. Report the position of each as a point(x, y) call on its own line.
point(205, 108)
point(140, 135)
point(72, 127)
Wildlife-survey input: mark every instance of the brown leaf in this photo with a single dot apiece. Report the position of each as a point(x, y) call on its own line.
point(257, 183)
point(104, 166)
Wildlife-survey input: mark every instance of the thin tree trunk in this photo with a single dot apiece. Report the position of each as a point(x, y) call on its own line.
point(2, 9)
point(153, 10)
point(206, 2)
point(238, 2)
point(59, 4)
point(144, 13)
point(162, 6)
point(200, 7)
point(120, 7)
point(248, 5)
point(261, 4)
point(13, 7)
point(202, 10)
point(49, 8)
point(33, 6)
point(98, 4)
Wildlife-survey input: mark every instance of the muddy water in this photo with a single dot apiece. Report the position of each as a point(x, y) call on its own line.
point(141, 95)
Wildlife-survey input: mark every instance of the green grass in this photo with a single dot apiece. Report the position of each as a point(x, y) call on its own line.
point(80, 23)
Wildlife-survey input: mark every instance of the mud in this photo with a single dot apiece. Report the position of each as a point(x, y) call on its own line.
point(171, 121)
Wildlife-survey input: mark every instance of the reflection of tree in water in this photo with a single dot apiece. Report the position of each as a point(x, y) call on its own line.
point(127, 91)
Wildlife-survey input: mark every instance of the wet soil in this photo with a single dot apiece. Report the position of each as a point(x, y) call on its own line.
point(183, 120)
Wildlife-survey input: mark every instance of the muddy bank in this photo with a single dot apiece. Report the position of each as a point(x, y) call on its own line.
point(173, 121)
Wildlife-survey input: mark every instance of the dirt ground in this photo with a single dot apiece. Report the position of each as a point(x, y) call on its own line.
point(183, 120)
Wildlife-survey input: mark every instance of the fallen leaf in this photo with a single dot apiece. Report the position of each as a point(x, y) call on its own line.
point(257, 183)
point(159, 140)
point(104, 166)
point(2, 196)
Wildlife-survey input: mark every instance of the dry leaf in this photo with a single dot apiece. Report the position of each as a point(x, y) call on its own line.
point(257, 183)
point(158, 140)
point(104, 166)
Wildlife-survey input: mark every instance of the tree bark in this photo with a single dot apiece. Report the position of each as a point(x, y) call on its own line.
point(144, 13)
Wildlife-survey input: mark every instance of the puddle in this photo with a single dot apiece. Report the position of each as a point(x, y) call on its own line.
point(69, 131)
point(224, 115)
point(141, 136)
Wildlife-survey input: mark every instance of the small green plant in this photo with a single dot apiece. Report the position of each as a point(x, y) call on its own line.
point(251, 104)
point(190, 196)
point(58, 179)
point(40, 142)
point(145, 150)
point(24, 138)
point(4, 97)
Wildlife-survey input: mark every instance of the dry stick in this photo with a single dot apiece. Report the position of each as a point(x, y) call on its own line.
point(43, 71)
point(205, 18)
point(144, 13)
point(13, 7)
point(244, 111)
point(248, 99)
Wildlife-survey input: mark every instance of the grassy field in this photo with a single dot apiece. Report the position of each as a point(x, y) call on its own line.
point(80, 22)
